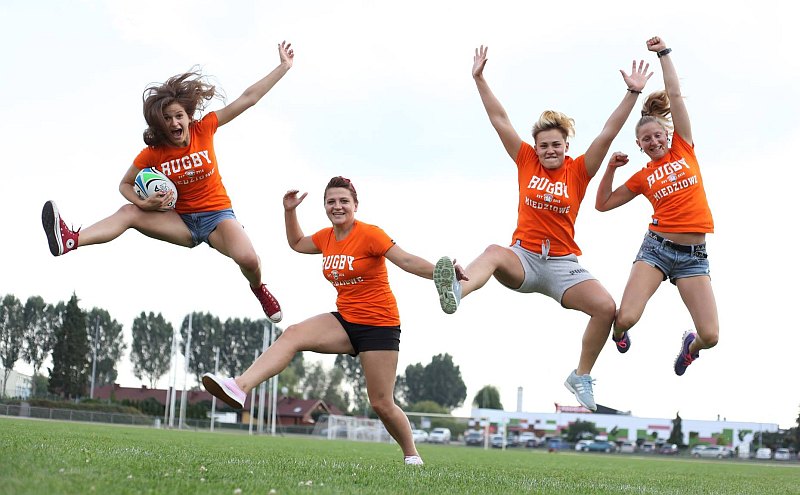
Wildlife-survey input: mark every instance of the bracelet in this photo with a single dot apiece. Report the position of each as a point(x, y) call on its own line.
point(663, 52)
point(634, 91)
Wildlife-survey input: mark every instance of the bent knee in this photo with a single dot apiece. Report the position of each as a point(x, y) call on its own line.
point(626, 319)
point(709, 336)
point(248, 261)
point(382, 406)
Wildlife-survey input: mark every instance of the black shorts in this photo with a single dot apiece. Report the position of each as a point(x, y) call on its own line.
point(370, 337)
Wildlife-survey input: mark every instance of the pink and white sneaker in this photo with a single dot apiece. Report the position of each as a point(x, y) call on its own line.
point(225, 390)
point(268, 302)
point(60, 238)
point(413, 460)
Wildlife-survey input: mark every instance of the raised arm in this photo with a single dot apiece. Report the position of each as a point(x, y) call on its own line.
point(607, 200)
point(635, 82)
point(294, 234)
point(254, 93)
point(680, 116)
point(497, 114)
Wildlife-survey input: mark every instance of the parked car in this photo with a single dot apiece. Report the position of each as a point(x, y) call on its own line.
point(764, 453)
point(600, 446)
point(669, 449)
point(420, 436)
point(628, 447)
point(695, 452)
point(496, 441)
point(717, 451)
point(528, 439)
point(648, 448)
point(474, 438)
point(583, 443)
point(439, 435)
point(783, 455)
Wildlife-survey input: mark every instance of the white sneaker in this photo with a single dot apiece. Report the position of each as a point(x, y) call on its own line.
point(447, 285)
point(413, 460)
point(225, 390)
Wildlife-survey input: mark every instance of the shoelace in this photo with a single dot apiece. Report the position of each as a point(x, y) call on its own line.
point(585, 381)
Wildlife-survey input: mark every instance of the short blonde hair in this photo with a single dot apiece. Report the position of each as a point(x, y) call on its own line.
point(550, 119)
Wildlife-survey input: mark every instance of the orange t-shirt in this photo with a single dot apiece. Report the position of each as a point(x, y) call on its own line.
point(357, 268)
point(549, 201)
point(193, 169)
point(674, 186)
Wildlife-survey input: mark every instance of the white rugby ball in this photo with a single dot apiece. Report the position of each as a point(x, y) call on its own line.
point(150, 181)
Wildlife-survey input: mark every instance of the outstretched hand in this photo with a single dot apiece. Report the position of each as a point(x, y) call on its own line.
point(638, 77)
point(618, 159)
point(479, 61)
point(286, 53)
point(656, 44)
point(291, 201)
point(460, 273)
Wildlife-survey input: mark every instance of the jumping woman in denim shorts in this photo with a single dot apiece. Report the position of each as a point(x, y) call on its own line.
point(543, 255)
point(182, 148)
point(674, 245)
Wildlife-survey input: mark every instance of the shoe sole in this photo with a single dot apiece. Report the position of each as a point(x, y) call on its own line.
point(680, 354)
point(52, 228)
point(276, 318)
point(443, 274)
point(577, 397)
point(220, 392)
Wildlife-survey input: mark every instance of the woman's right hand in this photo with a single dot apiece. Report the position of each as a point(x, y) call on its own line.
point(158, 202)
point(479, 61)
point(617, 160)
point(291, 201)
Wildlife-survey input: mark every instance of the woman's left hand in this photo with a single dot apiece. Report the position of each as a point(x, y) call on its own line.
point(460, 273)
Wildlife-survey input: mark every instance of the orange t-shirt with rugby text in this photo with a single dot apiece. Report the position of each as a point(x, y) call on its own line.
point(193, 169)
point(674, 186)
point(356, 267)
point(549, 201)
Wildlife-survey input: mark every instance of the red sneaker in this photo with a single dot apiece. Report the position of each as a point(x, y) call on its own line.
point(60, 238)
point(268, 302)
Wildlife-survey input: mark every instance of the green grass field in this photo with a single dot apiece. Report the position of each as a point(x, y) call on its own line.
point(49, 457)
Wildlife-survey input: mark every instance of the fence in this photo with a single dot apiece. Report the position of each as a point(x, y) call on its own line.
point(27, 411)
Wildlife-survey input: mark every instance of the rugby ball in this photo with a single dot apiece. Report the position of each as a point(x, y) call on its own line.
point(150, 181)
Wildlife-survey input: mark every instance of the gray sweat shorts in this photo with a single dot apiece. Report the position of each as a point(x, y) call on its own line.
point(549, 275)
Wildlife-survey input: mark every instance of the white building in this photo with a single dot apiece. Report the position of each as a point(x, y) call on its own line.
point(17, 385)
point(622, 427)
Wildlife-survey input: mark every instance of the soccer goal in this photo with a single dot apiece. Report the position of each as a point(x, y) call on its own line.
point(351, 428)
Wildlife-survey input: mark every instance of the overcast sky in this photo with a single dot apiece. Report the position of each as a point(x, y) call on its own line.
point(383, 95)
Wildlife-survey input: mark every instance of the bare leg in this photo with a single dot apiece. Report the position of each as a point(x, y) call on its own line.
point(495, 260)
point(163, 225)
point(380, 370)
point(643, 282)
point(322, 333)
point(593, 299)
point(230, 239)
point(698, 297)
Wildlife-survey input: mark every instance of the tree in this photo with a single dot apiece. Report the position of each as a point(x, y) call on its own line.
point(109, 344)
point(354, 377)
point(412, 385)
point(151, 351)
point(11, 335)
point(245, 337)
point(488, 398)
point(207, 336)
point(676, 435)
point(439, 381)
point(581, 429)
point(68, 376)
point(38, 330)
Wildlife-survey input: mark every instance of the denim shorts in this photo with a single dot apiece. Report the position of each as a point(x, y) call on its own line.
point(202, 224)
point(370, 337)
point(549, 275)
point(674, 260)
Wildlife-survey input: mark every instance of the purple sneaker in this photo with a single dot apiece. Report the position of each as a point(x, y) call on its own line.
point(225, 390)
point(624, 342)
point(684, 358)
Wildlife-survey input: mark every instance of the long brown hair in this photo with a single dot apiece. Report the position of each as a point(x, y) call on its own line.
point(190, 90)
point(656, 109)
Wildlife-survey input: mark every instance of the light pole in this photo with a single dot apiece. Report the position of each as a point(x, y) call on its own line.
point(94, 352)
